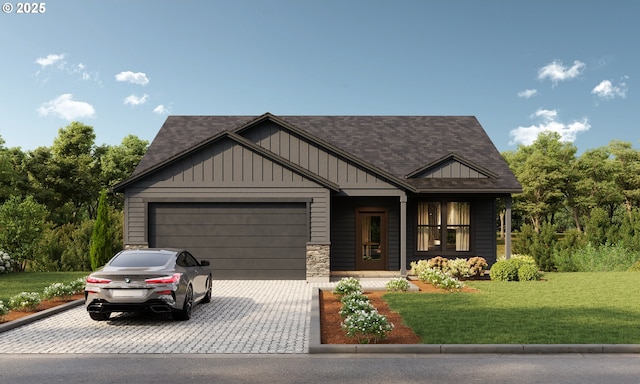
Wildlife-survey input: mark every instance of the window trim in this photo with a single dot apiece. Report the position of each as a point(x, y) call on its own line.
point(444, 226)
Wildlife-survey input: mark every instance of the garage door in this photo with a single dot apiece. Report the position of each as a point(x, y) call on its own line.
point(241, 240)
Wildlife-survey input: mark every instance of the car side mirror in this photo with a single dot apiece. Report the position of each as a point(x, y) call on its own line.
point(204, 263)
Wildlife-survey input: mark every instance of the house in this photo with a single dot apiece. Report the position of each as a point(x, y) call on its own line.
point(297, 197)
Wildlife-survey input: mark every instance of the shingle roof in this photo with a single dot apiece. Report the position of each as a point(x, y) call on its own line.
point(398, 145)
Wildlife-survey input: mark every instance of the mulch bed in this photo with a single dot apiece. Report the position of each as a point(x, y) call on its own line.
point(45, 304)
point(330, 320)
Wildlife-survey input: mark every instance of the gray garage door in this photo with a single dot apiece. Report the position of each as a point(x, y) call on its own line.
point(242, 240)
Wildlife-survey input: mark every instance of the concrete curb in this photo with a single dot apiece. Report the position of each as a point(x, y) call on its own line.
point(39, 315)
point(316, 347)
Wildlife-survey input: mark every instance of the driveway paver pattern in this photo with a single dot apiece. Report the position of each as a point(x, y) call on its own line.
point(244, 316)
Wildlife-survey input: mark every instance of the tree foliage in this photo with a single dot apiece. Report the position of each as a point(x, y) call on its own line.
point(22, 222)
point(101, 245)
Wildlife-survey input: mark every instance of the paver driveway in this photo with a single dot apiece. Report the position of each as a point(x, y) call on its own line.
point(243, 317)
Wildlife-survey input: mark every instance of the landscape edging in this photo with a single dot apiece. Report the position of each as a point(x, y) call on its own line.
point(9, 325)
point(316, 346)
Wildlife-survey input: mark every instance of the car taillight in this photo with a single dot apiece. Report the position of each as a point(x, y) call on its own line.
point(97, 280)
point(173, 279)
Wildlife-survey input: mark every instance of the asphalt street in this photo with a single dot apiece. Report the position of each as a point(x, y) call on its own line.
point(285, 369)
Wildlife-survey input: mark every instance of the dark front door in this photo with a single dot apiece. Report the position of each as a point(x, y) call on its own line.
point(371, 239)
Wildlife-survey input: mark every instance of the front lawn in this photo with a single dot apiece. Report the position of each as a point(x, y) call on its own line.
point(563, 308)
point(14, 283)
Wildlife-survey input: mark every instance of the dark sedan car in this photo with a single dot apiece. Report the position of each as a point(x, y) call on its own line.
point(158, 280)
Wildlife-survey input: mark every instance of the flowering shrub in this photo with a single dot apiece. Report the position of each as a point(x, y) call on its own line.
point(367, 326)
point(459, 268)
point(3, 309)
point(418, 266)
point(25, 301)
point(354, 305)
point(438, 262)
point(440, 279)
point(57, 290)
point(6, 262)
point(477, 266)
point(397, 284)
point(77, 285)
point(346, 286)
point(354, 296)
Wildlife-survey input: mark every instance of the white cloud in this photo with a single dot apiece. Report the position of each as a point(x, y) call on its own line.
point(161, 110)
point(135, 100)
point(549, 123)
point(66, 108)
point(556, 71)
point(139, 78)
point(607, 91)
point(49, 60)
point(527, 93)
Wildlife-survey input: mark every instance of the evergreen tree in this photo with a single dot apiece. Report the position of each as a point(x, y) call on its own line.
point(101, 244)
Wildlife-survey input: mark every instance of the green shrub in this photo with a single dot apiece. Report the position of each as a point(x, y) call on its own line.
point(25, 301)
point(77, 285)
point(528, 272)
point(605, 258)
point(354, 296)
point(508, 270)
point(397, 284)
point(347, 286)
point(367, 326)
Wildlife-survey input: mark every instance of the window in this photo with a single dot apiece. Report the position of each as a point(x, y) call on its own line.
point(454, 235)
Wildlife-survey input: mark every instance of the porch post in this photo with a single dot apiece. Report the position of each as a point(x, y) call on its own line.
point(507, 216)
point(403, 235)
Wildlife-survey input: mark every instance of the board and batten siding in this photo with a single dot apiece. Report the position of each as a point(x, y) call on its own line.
point(313, 158)
point(224, 171)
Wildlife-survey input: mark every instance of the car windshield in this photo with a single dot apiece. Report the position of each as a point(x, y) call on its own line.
point(141, 259)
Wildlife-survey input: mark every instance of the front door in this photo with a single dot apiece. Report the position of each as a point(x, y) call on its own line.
point(371, 239)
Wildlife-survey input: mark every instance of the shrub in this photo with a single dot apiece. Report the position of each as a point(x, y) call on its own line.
point(528, 272)
point(354, 305)
point(3, 309)
point(438, 262)
point(57, 290)
point(6, 262)
point(507, 270)
point(25, 301)
point(367, 326)
point(397, 284)
point(459, 268)
point(77, 285)
point(477, 266)
point(354, 296)
point(347, 286)
point(635, 267)
point(440, 279)
point(417, 267)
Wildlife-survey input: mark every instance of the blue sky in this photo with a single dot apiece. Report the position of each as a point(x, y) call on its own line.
point(520, 67)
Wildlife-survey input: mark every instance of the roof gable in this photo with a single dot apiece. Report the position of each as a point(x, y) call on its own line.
point(452, 166)
point(392, 147)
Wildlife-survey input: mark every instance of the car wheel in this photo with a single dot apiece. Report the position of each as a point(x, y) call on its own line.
point(185, 312)
point(207, 297)
point(101, 316)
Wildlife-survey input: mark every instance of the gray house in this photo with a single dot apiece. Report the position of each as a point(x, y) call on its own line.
point(297, 197)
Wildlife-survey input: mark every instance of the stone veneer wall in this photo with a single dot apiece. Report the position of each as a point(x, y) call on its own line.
point(136, 246)
point(318, 262)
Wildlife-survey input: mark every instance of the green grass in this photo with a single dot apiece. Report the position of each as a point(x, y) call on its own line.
point(571, 308)
point(14, 283)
